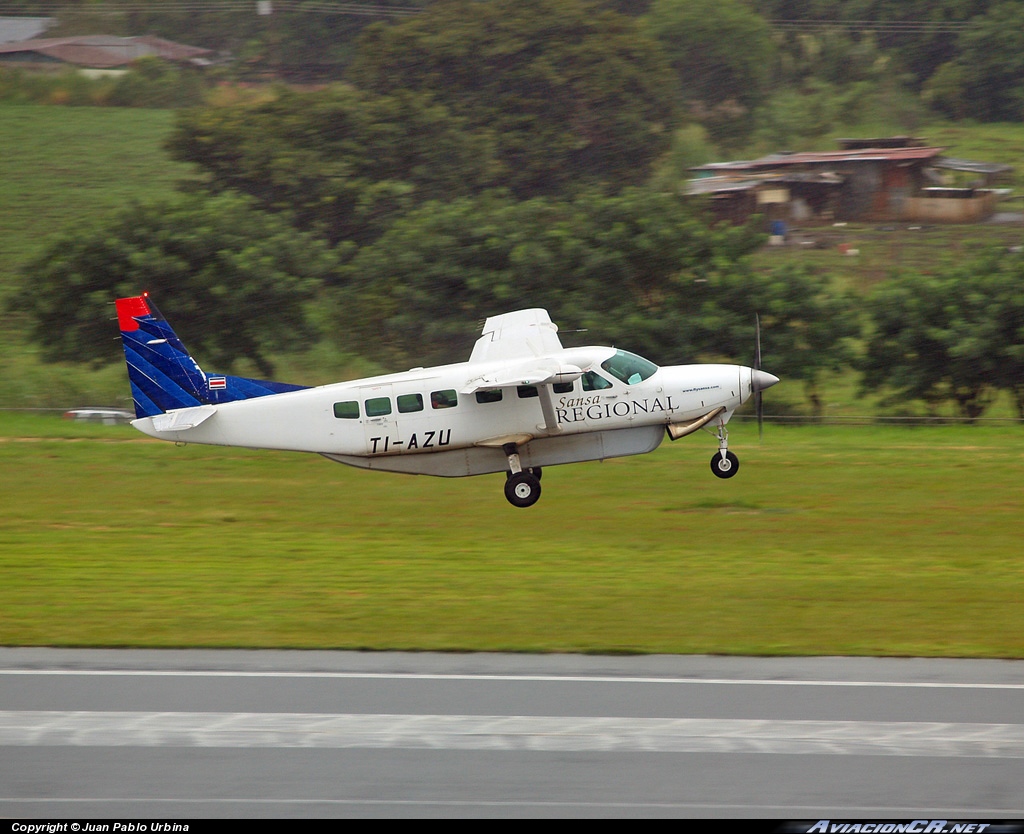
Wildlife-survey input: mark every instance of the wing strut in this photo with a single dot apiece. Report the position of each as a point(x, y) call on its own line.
point(547, 405)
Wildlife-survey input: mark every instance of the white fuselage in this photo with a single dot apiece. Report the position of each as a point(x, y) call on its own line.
point(419, 421)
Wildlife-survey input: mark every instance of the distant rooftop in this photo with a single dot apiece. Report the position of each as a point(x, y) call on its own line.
point(787, 158)
point(972, 166)
point(101, 51)
point(23, 28)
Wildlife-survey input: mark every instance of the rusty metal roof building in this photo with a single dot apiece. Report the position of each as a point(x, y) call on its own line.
point(99, 51)
point(786, 159)
point(888, 179)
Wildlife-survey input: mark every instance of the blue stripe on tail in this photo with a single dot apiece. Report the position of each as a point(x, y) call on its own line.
point(162, 373)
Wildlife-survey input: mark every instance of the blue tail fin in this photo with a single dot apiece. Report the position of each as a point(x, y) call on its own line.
point(163, 374)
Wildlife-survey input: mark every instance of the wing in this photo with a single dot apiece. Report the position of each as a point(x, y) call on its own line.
point(524, 372)
point(525, 343)
point(523, 334)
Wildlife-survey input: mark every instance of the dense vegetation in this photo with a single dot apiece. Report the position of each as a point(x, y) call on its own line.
point(485, 155)
point(771, 71)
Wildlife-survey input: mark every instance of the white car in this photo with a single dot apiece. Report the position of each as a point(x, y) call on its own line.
point(106, 416)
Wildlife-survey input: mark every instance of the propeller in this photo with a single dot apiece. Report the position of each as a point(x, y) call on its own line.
point(759, 380)
point(758, 398)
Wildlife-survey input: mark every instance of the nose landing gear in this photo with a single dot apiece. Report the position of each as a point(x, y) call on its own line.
point(725, 466)
point(724, 463)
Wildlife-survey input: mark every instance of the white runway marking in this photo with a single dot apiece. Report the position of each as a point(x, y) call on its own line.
point(531, 733)
point(416, 676)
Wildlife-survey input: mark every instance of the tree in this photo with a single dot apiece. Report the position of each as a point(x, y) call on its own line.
point(340, 161)
point(723, 54)
point(913, 32)
point(955, 337)
point(617, 266)
point(238, 280)
point(806, 323)
point(571, 92)
point(991, 62)
point(995, 285)
point(639, 269)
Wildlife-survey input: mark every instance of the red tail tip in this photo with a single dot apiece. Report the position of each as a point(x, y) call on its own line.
point(128, 309)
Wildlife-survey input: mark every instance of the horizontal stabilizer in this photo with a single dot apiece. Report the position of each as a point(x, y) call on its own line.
point(182, 419)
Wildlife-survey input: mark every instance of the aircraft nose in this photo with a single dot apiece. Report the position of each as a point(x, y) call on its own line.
point(759, 380)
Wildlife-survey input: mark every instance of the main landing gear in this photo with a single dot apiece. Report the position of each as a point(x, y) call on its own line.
point(724, 463)
point(522, 486)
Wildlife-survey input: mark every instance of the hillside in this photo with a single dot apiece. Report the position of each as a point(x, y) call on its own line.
point(65, 164)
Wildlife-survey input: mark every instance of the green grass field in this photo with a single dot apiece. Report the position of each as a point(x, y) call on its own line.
point(884, 250)
point(62, 164)
point(839, 541)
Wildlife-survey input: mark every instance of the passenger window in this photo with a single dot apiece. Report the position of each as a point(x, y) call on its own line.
point(408, 403)
point(347, 411)
point(444, 399)
point(492, 395)
point(594, 382)
point(527, 391)
point(562, 387)
point(378, 406)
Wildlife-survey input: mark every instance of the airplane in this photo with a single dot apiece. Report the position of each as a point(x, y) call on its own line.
point(521, 402)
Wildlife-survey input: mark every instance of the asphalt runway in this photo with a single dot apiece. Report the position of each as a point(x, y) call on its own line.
point(147, 735)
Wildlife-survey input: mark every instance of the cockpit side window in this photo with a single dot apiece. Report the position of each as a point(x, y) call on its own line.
point(594, 382)
point(629, 368)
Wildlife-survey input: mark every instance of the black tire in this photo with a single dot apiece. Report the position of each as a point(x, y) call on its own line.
point(725, 468)
point(522, 490)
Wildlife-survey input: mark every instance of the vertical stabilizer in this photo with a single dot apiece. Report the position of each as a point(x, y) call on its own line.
point(162, 373)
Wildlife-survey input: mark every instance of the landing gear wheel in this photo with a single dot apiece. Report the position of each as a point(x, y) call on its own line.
point(522, 489)
point(725, 468)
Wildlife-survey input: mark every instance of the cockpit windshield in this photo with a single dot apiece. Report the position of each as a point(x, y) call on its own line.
point(628, 367)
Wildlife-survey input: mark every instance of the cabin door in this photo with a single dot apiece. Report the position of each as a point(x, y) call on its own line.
point(380, 420)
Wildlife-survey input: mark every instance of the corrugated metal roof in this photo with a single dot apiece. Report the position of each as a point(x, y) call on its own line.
point(720, 185)
point(171, 50)
point(726, 184)
point(13, 29)
point(786, 159)
point(953, 164)
point(104, 51)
